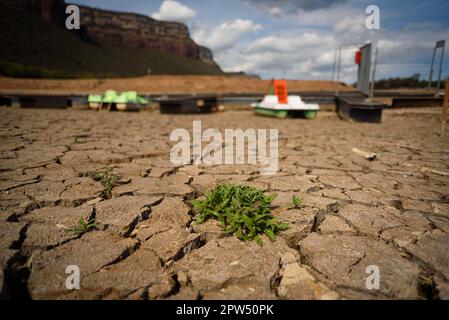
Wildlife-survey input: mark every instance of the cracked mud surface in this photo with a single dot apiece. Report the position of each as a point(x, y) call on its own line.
point(392, 212)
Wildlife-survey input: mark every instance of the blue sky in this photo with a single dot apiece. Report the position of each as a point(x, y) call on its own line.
point(297, 38)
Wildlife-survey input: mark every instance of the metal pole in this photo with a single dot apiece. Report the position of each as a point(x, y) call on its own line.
point(441, 70)
point(334, 65)
point(338, 68)
point(431, 69)
point(373, 79)
point(340, 51)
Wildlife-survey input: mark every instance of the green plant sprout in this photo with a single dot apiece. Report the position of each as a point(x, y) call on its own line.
point(296, 202)
point(107, 180)
point(241, 210)
point(83, 226)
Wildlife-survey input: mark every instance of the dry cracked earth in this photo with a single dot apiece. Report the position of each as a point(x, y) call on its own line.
point(392, 212)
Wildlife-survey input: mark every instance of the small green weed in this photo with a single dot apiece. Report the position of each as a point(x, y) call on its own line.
point(296, 202)
point(107, 180)
point(83, 226)
point(241, 210)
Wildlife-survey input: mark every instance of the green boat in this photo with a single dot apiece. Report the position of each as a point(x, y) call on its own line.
point(111, 100)
point(95, 101)
point(277, 103)
point(306, 114)
point(295, 108)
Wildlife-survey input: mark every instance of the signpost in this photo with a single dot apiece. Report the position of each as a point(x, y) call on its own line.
point(364, 69)
point(336, 68)
point(373, 78)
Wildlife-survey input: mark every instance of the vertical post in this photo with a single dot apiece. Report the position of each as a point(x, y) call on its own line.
point(431, 69)
point(441, 69)
point(334, 65)
point(338, 68)
point(445, 107)
point(339, 64)
point(373, 79)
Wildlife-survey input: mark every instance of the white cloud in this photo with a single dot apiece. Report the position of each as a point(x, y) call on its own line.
point(304, 45)
point(306, 52)
point(226, 35)
point(352, 26)
point(290, 44)
point(171, 10)
point(300, 51)
point(325, 58)
point(276, 12)
point(294, 55)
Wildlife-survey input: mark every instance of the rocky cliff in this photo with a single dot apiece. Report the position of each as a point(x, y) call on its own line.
point(123, 30)
point(128, 30)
